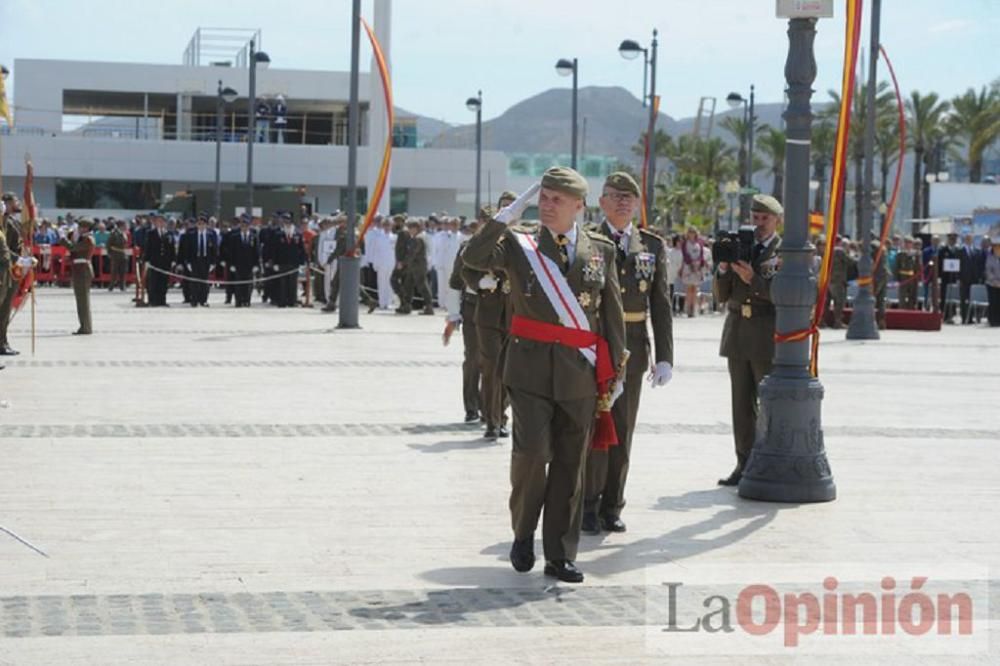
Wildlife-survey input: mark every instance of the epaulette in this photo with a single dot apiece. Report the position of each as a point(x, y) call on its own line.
point(652, 234)
point(598, 236)
point(524, 227)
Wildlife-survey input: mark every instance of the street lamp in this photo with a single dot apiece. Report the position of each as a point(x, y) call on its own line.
point(566, 67)
point(863, 325)
point(630, 50)
point(223, 96)
point(731, 188)
point(788, 461)
point(735, 100)
point(262, 59)
point(476, 104)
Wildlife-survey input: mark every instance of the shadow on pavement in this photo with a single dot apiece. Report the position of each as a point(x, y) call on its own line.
point(462, 445)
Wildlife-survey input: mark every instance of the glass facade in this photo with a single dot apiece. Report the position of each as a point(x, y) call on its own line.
point(109, 194)
point(399, 201)
point(535, 164)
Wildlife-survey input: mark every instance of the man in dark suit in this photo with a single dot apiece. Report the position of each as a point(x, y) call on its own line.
point(158, 255)
point(199, 254)
point(240, 250)
point(949, 260)
point(748, 333)
point(287, 253)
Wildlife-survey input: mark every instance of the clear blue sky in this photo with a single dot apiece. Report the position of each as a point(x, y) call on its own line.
point(443, 50)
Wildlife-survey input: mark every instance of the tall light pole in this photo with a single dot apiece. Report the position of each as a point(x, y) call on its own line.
point(862, 325)
point(788, 462)
point(476, 104)
point(349, 265)
point(566, 68)
point(630, 49)
point(255, 58)
point(223, 96)
point(734, 99)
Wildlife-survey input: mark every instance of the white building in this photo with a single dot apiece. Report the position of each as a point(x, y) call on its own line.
point(155, 136)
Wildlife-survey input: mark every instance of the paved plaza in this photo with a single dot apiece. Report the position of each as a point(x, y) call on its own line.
point(219, 486)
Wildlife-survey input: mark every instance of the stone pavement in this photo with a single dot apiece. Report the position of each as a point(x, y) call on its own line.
point(220, 486)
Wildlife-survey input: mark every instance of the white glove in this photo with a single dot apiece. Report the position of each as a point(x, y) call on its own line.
point(488, 283)
point(256, 269)
point(222, 263)
point(190, 270)
point(661, 374)
point(513, 211)
point(211, 268)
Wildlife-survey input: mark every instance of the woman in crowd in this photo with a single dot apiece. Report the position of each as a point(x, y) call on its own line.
point(694, 268)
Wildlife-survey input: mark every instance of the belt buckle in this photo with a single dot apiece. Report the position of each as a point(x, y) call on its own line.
point(746, 311)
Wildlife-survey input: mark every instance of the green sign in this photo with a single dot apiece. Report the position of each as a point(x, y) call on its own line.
point(749, 190)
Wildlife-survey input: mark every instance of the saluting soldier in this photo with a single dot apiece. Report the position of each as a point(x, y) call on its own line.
point(748, 333)
point(641, 261)
point(566, 348)
point(12, 231)
point(493, 315)
point(81, 249)
point(908, 271)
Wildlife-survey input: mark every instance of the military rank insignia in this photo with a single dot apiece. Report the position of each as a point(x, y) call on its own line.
point(593, 271)
point(645, 266)
point(769, 268)
point(643, 286)
point(584, 299)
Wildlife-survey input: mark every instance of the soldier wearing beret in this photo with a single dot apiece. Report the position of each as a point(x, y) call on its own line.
point(567, 340)
point(492, 323)
point(12, 232)
point(908, 272)
point(842, 265)
point(641, 261)
point(748, 333)
point(413, 269)
point(81, 249)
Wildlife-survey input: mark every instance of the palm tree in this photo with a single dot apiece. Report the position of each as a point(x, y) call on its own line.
point(772, 143)
point(924, 124)
point(887, 149)
point(975, 119)
point(824, 136)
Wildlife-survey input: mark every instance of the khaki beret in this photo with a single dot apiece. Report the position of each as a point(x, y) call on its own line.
point(564, 179)
point(765, 203)
point(623, 182)
point(507, 194)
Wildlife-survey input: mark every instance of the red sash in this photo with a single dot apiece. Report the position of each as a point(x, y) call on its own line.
point(604, 373)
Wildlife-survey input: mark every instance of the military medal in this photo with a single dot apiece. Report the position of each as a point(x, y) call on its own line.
point(593, 271)
point(584, 299)
point(506, 287)
point(643, 286)
point(746, 311)
point(645, 265)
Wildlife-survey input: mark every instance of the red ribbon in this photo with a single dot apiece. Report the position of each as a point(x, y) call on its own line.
point(604, 372)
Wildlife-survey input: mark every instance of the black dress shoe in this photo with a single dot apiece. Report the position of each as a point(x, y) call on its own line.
point(589, 524)
point(471, 417)
point(732, 480)
point(612, 524)
point(490, 433)
point(6, 350)
point(372, 307)
point(522, 554)
point(503, 433)
point(564, 570)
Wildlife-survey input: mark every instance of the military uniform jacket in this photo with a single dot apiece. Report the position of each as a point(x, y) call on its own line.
point(907, 266)
point(6, 262)
point(642, 276)
point(240, 256)
point(159, 250)
point(749, 329)
point(13, 234)
point(83, 248)
point(840, 267)
point(116, 241)
point(552, 370)
point(491, 304)
point(415, 259)
point(286, 251)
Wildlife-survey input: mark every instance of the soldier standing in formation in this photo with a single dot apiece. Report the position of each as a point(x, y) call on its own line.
point(466, 318)
point(642, 276)
point(840, 267)
point(567, 339)
point(880, 281)
point(748, 333)
point(117, 242)
point(413, 268)
point(158, 254)
point(81, 249)
point(12, 231)
point(493, 315)
point(908, 272)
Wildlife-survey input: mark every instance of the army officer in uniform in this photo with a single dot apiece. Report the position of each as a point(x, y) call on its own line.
point(567, 338)
point(748, 334)
point(642, 273)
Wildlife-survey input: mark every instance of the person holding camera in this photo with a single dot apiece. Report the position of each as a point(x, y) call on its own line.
point(744, 286)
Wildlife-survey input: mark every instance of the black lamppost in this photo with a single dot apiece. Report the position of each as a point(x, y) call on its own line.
point(630, 49)
point(256, 57)
point(476, 104)
point(223, 96)
point(349, 265)
point(565, 68)
point(750, 121)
